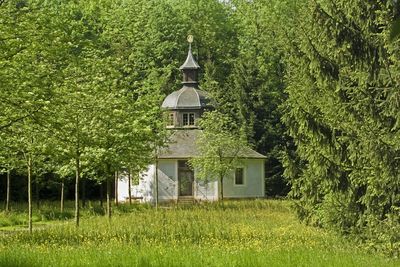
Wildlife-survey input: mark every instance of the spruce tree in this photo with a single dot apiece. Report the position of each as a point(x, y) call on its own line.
point(342, 112)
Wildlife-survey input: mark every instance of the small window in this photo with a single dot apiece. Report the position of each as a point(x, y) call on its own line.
point(171, 119)
point(239, 179)
point(188, 119)
point(191, 118)
point(185, 119)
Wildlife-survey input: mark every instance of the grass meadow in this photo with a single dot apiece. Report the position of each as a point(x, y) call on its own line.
point(241, 233)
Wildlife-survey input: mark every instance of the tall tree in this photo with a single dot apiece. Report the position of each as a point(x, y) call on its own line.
point(220, 148)
point(256, 85)
point(123, 133)
point(343, 115)
point(27, 72)
point(9, 162)
point(30, 144)
point(78, 48)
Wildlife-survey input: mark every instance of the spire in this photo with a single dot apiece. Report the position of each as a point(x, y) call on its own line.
point(190, 66)
point(190, 63)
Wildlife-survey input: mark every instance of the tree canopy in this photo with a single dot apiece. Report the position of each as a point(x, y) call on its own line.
point(311, 84)
point(220, 146)
point(342, 112)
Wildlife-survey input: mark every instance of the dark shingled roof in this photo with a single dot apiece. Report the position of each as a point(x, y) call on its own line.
point(189, 63)
point(187, 98)
point(182, 145)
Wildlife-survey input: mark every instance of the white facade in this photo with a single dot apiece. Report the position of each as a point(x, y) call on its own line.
point(168, 184)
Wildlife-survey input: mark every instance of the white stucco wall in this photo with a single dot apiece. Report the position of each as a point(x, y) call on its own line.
point(253, 174)
point(168, 183)
point(206, 191)
point(167, 180)
point(143, 190)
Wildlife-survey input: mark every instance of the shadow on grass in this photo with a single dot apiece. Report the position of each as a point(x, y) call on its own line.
point(14, 261)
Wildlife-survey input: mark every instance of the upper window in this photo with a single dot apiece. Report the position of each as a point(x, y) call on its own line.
point(171, 119)
point(239, 179)
point(188, 119)
point(191, 118)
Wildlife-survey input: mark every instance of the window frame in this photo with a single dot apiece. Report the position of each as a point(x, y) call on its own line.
point(171, 120)
point(243, 177)
point(188, 119)
point(192, 117)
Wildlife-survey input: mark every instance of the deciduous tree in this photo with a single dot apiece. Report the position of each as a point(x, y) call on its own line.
point(220, 148)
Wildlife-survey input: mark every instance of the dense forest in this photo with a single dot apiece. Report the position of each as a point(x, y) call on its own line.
point(313, 84)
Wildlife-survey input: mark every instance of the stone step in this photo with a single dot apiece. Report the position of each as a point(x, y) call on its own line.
point(186, 200)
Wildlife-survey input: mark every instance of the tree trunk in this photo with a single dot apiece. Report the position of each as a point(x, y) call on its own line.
point(83, 196)
point(156, 181)
point(37, 191)
point(62, 197)
point(116, 188)
point(8, 191)
point(129, 187)
point(77, 178)
point(29, 194)
point(101, 194)
point(109, 198)
point(221, 178)
point(222, 189)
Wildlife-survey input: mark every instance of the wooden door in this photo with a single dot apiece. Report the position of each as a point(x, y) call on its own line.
point(185, 177)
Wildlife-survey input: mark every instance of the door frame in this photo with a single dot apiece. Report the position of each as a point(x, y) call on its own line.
point(179, 180)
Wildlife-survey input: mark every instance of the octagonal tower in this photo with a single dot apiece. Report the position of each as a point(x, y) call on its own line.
point(185, 106)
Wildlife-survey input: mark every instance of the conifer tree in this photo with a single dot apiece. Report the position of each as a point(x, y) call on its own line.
point(256, 84)
point(343, 115)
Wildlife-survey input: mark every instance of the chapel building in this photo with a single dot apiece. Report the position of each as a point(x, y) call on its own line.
point(176, 180)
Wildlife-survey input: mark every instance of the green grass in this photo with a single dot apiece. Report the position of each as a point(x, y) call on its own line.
point(242, 233)
point(50, 211)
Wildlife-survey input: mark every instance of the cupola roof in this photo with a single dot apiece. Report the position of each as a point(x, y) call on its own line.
point(187, 98)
